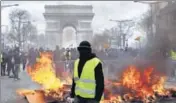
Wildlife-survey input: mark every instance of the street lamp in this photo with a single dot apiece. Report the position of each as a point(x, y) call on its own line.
point(4, 6)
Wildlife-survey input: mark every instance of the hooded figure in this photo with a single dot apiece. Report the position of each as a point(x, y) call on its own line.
point(86, 56)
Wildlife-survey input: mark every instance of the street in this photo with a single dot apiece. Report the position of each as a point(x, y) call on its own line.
point(9, 87)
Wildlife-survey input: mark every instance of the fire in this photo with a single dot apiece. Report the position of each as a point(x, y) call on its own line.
point(159, 88)
point(43, 72)
point(138, 85)
point(134, 84)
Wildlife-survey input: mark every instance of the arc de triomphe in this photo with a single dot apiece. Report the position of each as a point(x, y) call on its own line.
point(57, 17)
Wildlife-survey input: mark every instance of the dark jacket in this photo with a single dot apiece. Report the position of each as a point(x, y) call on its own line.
point(98, 77)
point(4, 59)
point(56, 55)
point(17, 58)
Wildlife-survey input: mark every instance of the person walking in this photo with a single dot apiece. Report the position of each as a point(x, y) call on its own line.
point(3, 64)
point(57, 62)
point(10, 63)
point(17, 63)
point(24, 60)
point(88, 78)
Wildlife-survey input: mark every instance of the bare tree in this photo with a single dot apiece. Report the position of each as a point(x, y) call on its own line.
point(21, 28)
point(127, 31)
point(123, 32)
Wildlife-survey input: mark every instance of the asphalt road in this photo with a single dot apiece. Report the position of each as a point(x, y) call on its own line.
point(9, 87)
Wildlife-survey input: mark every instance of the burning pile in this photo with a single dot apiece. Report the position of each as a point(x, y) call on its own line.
point(43, 73)
point(136, 85)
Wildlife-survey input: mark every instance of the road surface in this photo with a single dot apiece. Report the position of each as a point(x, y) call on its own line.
point(9, 87)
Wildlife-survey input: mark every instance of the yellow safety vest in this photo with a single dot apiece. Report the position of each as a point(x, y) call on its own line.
point(173, 55)
point(86, 84)
point(1, 58)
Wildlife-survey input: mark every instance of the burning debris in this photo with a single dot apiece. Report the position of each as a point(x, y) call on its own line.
point(134, 86)
point(42, 72)
point(137, 86)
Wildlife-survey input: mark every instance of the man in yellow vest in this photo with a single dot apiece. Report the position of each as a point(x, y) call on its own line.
point(88, 78)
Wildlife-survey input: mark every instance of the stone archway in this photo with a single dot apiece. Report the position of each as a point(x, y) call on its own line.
point(69, 36)
point(58, 17)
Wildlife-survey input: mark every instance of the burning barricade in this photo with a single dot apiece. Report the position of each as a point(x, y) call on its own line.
point(134, 85)
point(43, 73)
point(138, 86)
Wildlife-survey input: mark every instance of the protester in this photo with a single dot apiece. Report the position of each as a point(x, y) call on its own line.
point(17, 63)
point(11, 63)
point(3, 64)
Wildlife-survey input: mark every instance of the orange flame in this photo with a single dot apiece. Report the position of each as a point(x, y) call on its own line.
point(43, 72)
point(140, 84)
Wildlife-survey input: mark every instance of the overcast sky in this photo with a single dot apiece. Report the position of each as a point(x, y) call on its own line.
point(104, 10)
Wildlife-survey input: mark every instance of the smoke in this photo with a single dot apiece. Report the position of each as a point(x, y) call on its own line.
point(155, 54)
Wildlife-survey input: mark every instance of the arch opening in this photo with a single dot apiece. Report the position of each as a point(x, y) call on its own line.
point(69, 37)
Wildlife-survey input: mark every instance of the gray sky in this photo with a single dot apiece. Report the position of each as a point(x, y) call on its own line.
point(104, 10)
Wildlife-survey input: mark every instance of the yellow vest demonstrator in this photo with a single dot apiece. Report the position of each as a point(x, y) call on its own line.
point(86, 84)
point(173, 55)
point(1, 58)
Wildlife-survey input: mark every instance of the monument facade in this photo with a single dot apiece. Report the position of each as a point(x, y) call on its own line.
point(57, 17)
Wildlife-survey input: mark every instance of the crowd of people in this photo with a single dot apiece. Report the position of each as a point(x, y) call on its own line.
point(14, 58)
point(11, 61)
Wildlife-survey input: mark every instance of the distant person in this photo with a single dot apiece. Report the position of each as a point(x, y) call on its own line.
point(32, 57)
point(3, 64)
point(57, 58)
point(24, 60)
point(56, 54)
point(17, 63)
point(41, 50)
point(11, 63)
point(68, 54)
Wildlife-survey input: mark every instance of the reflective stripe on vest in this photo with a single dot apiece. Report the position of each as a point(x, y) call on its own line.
point(90, 92)
point(85, 80)
point(85, 85)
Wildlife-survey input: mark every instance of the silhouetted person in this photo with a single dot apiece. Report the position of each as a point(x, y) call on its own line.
point(17, 63)
point(3, 65)
point(32, 57)
point(11, 63)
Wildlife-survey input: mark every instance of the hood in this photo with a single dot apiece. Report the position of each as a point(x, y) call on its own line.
point(86, 56)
